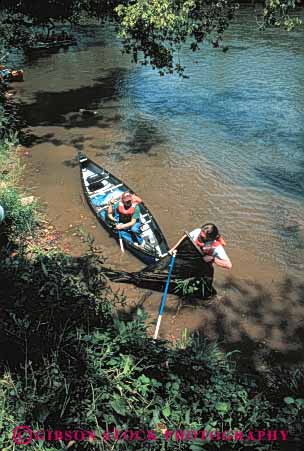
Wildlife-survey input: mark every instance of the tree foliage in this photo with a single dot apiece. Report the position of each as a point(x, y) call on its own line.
point(277, 14)
point(152, 31)
point(158, 28)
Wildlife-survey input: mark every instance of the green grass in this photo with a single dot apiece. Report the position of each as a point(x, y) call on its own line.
point(20, 220)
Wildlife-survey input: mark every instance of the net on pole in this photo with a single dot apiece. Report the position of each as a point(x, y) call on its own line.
point(189, 264)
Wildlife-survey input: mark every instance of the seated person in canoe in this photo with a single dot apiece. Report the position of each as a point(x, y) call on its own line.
point(126, 213)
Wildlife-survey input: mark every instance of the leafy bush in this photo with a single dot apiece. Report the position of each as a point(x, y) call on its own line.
point(20, 219)
point(75, 363)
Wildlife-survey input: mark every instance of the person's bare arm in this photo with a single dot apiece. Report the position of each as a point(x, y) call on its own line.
point(218, 261)
point(110, 213)
point(223, 263)
point(127, 225)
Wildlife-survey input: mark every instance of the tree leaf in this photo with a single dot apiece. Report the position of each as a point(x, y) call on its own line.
point(166, 411)
point(119, 406)
point(187, 417)
point(300, 402)
point(222, 407)
point(197, 447)
point(289, 400)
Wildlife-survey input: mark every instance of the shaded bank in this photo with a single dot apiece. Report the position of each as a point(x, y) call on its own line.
point(63, 342)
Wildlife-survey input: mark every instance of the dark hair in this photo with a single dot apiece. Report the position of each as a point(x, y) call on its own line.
point(212, 232)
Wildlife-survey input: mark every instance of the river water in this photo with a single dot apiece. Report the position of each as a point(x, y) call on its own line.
point(224, 145)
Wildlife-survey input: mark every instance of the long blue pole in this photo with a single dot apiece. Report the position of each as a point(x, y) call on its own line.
point(163, 301)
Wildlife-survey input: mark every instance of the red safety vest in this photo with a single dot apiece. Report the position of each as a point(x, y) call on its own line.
point(209, 249)
point(125, 215)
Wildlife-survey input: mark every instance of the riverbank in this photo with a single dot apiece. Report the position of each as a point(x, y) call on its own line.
point(257, 305)
point(75, 353)
point(264, 312)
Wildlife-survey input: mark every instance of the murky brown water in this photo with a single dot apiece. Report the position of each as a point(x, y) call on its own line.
point(137, 134)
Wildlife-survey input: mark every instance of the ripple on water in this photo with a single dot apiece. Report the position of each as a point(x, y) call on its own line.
point(225, 145)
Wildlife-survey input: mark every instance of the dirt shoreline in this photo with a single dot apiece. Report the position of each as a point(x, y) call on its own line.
point(254, 313)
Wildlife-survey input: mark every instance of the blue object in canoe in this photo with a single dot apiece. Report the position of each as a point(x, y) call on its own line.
point(100, 188)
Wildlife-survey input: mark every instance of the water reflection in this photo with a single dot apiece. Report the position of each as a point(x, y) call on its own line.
point(224, 145)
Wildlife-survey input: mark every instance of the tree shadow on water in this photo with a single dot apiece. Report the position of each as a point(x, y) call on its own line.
point(282, 179)
point(73, 163)
point(62, 108)
point(146, 135)
point(29, 139)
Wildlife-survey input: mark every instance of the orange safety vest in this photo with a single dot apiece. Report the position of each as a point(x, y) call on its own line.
point(125, 215)
point(209, 249)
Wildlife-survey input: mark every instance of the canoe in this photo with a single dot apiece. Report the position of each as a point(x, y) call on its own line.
point(100, 187)
point(11, 75)
point(51, 44)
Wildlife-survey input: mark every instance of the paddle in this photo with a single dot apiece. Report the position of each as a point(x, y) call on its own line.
point(119, 234)
point(163, 301)
point(179, 242)
point(121, 242)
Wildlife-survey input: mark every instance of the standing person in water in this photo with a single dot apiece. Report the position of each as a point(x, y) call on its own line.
point(211, 244)
point(126, 213)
